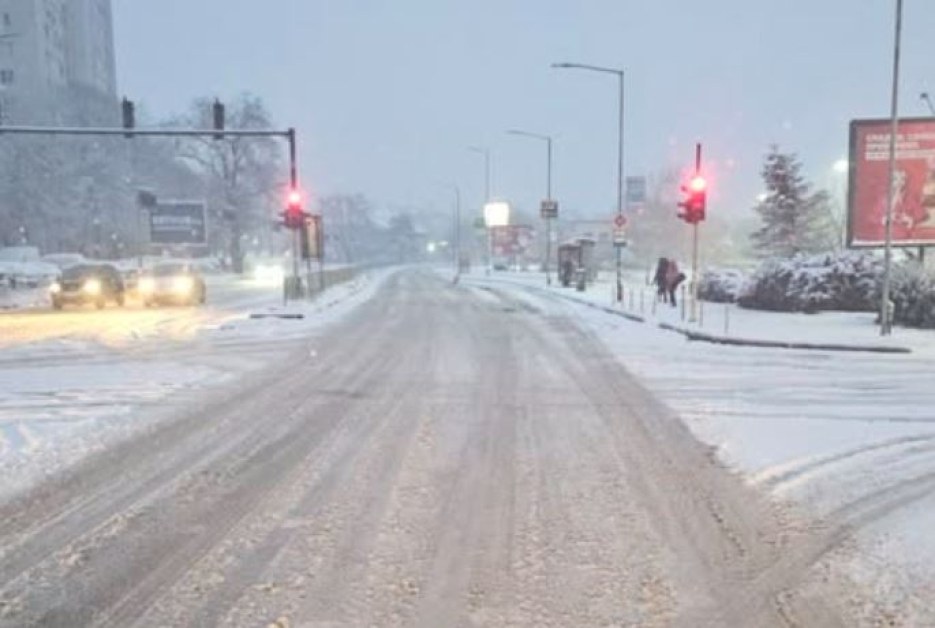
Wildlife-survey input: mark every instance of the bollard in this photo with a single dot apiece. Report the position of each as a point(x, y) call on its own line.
point(726, 319)
point(642, 295)
point(700, 313)
point(631, 300)
point(683, 302)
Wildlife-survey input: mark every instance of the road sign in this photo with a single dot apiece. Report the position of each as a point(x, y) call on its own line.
point(548, 209)
point(620, 230)
point(636, 192)
point(178, 222)
point(311, 240)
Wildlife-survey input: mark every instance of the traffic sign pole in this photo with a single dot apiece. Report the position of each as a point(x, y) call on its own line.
point(548, 210)
point(693, 316)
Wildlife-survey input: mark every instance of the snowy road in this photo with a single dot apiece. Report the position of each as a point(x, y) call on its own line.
point(447, 455)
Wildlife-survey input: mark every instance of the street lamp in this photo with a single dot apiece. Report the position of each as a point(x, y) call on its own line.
point(548, 196)
point(457, 234)
point(483, 150)
point(619, 74)
point(886, 315)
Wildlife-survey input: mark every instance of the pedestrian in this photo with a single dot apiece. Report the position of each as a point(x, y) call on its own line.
point(673, 278)
point(568, 272)
point(660, 279)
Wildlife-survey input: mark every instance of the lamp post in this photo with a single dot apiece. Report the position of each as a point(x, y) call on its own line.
point(886, 315)
point(619, 74)
point(457, 234)
point(485, 151)
point(548, 196)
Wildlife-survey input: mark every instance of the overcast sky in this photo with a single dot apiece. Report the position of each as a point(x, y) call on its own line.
point(387, 95)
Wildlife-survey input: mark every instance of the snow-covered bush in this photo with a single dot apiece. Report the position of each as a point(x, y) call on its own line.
point(810, 283)
point(913, 294)
point(720, 285)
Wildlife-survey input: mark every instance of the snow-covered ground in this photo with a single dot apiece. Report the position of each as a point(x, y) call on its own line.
point(731, 321)
point(73, 382)
point(848, 436)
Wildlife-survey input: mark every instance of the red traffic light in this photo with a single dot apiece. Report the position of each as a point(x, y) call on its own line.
point(696, 200)
point(294, 216)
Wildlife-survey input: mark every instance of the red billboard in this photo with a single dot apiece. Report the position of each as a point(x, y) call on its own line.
point(913, 183)
point(511, 240)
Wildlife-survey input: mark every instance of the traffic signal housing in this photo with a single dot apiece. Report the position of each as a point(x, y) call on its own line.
point(696, 200)
point(128, 112)
point(294, 216)
point(217, 114)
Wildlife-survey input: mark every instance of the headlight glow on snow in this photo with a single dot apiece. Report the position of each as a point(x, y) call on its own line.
point(268, 273)
point(183, 285)
point(92, 286)
point(55, 288)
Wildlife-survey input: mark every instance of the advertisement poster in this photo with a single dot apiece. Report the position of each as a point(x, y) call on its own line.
point(913, 189)
point(511, 241)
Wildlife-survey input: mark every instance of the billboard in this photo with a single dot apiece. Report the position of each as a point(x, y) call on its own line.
point(913, 183)
point(178, 222)
point(511, 240)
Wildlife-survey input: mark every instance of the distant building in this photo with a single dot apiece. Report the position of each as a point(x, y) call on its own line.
point(53, 51)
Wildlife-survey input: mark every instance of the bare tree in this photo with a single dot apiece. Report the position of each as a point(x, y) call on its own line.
point(244, 176)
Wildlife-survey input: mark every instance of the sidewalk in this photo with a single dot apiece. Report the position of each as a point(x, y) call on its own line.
point(731, 325)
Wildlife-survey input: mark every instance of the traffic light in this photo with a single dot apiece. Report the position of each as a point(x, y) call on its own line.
point(695, 203)
point(129, 115)
point(217, 111)
point(294, 217)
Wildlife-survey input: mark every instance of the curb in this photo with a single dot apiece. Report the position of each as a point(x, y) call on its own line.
point(699, 336)
point(780, 344)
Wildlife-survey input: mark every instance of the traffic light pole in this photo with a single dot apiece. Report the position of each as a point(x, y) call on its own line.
point(693, 315)
point(296, 234)
point(288, 134)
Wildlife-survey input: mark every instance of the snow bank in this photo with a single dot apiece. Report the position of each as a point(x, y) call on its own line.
point(847, 281)
point(718, 285)
point(913, 295)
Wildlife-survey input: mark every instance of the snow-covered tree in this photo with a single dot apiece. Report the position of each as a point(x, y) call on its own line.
point(795, 219)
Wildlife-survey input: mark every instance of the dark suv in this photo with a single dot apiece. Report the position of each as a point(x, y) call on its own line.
point(88, 283)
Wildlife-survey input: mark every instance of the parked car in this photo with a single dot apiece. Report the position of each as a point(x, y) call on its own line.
point(96, 284)
point(65, 260)
point(172, 282)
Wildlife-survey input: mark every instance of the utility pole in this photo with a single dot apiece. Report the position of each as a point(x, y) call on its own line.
point(693, 316)
point(694, 208)
point(620, 219)
point(549, 208)
point(457, 234)
point(886, 315)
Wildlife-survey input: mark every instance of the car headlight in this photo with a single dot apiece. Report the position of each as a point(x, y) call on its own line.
point(92, 286)
point(55, 288)
point(146, 285)
point(183, 285)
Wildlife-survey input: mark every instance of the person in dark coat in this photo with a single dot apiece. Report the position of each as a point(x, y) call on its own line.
point(660, 279)
point(674, 278)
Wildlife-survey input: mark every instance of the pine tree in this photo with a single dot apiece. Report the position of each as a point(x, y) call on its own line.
point(795, 218)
